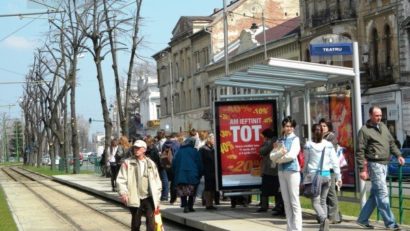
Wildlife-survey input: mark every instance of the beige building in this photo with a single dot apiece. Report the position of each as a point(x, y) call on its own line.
point(382, 30)
point(195, 57)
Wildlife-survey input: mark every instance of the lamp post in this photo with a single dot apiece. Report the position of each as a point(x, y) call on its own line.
point(171, 81)
point(172, 91)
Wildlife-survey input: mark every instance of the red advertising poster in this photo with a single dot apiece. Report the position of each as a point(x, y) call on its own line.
point(238, 128)
point(341, 117)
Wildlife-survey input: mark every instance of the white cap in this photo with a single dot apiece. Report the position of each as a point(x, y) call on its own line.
point(140, 144)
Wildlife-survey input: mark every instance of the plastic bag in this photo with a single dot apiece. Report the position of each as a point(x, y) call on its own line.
point(158, 221)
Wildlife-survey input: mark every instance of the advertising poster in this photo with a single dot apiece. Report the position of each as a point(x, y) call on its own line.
point(341, 117)
point(239, 126)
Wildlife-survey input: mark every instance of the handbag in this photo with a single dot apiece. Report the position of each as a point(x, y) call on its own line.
point(313, 182)
point(158, 221)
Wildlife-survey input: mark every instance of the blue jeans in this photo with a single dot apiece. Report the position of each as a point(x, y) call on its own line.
point(379, 196)
point(165, 188)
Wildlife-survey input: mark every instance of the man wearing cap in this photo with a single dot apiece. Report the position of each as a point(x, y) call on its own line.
point(139, 186)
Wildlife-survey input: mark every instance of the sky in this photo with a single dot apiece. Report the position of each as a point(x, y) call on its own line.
point(20, 36)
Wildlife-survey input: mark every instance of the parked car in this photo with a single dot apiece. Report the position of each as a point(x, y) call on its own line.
point(57, 160)
point(394, 165)
point(45, 160)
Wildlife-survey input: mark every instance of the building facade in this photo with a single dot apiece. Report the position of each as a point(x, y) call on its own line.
point(194, 59)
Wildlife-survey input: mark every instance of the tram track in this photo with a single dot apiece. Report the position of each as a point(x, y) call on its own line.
point(79, 210)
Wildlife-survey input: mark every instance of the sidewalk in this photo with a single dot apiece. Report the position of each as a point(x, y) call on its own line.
point(225, 218)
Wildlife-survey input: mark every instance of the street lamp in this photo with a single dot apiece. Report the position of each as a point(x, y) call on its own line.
point(171, 87)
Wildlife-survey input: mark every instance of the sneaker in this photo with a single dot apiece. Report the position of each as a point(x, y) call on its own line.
point(366, 226)
point(395, 228)
point(211, 208)
point(326, 225)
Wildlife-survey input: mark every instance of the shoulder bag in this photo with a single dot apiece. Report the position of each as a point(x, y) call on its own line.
point(313, 182)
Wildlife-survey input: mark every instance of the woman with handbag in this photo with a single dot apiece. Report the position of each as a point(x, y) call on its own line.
point(320, 157)
point(284, 154)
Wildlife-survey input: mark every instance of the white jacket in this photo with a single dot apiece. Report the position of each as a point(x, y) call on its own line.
point(127, 182)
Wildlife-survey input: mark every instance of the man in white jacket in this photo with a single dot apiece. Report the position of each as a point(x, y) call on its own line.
point(139, 186)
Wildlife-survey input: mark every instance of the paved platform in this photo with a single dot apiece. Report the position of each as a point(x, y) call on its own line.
point(225, 218)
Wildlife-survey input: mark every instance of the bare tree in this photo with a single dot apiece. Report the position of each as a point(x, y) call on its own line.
point(113, 24)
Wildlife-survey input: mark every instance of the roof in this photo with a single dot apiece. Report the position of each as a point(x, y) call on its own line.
point(288, 27)
point(280, 75)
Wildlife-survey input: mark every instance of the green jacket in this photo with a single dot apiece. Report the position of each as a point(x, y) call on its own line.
point(375, 145)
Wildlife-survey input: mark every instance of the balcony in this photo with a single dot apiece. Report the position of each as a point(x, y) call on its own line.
point(379, 75)
point(332, 16)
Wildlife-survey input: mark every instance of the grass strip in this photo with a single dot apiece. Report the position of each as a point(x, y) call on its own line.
point(7, 222)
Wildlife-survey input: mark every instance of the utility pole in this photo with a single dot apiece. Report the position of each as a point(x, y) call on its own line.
point(226, 39)
point(17, 143)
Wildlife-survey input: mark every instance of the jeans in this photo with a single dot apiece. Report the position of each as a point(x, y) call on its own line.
point(379, 196)
point(319, 202)
point(165, 188)
point(332, 201)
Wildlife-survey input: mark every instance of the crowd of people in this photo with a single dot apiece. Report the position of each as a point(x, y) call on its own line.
point(165, 167)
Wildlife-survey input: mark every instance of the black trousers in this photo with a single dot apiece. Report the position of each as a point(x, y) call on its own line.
point(147, 209)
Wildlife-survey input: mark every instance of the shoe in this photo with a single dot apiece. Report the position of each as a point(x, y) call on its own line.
point(366, 226)
point(335, 222)
point(261, 210)
point(211, 208)
point(186, 210)
point(395, 228)
point(326, 225)
point(191, 209)
point(278, 213)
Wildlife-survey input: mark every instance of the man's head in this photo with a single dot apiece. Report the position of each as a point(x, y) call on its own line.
point(139, 148)
point(375, 114)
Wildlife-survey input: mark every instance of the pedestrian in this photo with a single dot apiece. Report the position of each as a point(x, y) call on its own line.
point(320, 157)
point(375, 144)
point(187, 168)
point(269, 173)
point(332, 201)
point(112, 164)
point(167, 175)
point(289, 174)
point(139, 186)
point(207, 153)
point(152, 152)
point(123, 149)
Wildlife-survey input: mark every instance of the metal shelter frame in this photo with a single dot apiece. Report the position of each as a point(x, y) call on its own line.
point(282, 77)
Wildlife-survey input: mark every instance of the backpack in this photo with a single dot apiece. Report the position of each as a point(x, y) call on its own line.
point(166, 158)
point(301, 159)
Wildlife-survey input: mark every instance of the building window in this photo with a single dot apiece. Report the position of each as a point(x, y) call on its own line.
point(197, 61)
point(387, 44)
point(307, 55)
point(375, 50)
point(177, 105)
point(166, 105)
point(198, 92)
point(207, 95)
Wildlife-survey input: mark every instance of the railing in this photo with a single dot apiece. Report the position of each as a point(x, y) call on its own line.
point(401, 197)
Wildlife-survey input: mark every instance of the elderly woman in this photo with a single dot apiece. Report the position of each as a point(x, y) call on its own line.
point(187, 168)
point(320, 157)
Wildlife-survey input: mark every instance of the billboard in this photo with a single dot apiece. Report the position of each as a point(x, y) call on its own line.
point(239, 125)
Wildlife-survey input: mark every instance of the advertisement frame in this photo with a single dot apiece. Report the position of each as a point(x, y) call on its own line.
point(220, 178)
